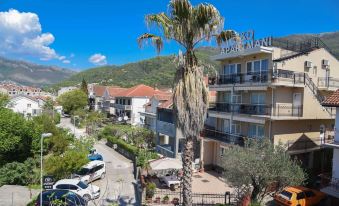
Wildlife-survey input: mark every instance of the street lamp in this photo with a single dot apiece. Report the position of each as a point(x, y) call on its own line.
point(75, 116)
point(43, 135)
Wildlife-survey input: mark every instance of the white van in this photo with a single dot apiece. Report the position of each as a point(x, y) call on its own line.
point(92, 171)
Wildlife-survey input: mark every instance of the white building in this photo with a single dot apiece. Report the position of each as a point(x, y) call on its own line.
point(27, 106)
point(131, 102)
point(63, 90)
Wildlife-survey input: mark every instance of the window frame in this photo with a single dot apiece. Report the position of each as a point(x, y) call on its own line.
point(260, 66)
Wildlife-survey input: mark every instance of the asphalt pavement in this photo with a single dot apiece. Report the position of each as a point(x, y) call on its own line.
point(66, 124)
point(119, 183)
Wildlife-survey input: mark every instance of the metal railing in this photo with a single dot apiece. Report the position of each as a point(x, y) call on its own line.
point(164, 151)
point(328, 82)
point(167, 197)
point(257, 109)
point(122, 106)
point(222, 136)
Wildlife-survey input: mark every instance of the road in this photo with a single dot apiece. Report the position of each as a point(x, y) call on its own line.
point(119, 183)
point(66, 124)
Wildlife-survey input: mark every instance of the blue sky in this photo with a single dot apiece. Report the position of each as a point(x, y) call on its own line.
point(74, 30)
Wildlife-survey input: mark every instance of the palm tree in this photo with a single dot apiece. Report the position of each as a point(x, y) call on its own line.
point(188, 26)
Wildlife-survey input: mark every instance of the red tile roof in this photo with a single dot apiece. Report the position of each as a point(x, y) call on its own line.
point(167, 104)
point(140, 90)
point(332, 100)
point(99, 90)
point(114, 90)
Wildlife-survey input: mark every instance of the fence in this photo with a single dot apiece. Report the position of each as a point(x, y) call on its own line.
point(175, 198)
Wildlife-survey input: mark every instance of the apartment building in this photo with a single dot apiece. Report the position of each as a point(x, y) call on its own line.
point(130, 103)
point(330, 184)
point(108, 100)
point(269, 88)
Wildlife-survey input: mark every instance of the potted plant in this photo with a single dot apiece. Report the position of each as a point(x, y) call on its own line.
point(165, 199)
point(150, 190)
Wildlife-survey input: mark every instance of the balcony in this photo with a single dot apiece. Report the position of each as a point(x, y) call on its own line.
point(277, 76)
point(122, 106)
point(328, 82)
point(228, 138)
point(261, 109)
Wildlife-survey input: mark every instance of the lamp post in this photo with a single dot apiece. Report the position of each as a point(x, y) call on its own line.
point(75, 116)
point(43, 135)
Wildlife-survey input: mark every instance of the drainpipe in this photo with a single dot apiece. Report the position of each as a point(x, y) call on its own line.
point(231, 119)
point(272, 110)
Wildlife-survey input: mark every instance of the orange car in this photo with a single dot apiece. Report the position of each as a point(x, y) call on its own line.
point(299, 196)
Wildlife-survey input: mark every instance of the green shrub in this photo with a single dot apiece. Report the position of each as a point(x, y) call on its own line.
point(122, 144)
point(150, 189)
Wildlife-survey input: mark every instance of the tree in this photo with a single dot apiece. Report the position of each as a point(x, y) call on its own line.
point(84, 87)
point(259, 166)
point(4, 100)
point(188, 26)
point(73, 100)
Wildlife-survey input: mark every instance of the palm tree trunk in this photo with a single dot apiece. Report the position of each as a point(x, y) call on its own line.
point(187, 176)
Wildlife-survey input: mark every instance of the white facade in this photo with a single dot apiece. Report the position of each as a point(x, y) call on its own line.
point(63, 90)
point(26, 106)
point(137, 107)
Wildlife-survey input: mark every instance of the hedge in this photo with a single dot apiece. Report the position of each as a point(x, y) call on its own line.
point(122, 144)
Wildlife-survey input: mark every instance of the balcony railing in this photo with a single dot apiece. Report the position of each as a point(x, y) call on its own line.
point(257, 109)
point(164, 151)
point(223, 137)
point(328, 82)
point(122, 106)
point(241, 78)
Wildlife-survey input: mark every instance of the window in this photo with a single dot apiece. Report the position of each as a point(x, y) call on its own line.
point(256, 130)
point(98, 168)
point(257, 66)
point(62, 187)
point(235, 128)
point(300, 195)
point(29, 105)
point(286, 195)
point(72, 187)
point(129, 102)
point(81, 184)
point(258, 98)
point(236, 99)
point(230, 69)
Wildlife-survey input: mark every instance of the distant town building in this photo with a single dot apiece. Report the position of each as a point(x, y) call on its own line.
point(26, 105)
point(63, 90)
point(12, 89)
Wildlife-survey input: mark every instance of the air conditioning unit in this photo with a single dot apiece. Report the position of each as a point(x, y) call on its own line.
point(308, 64)
point(325, 63)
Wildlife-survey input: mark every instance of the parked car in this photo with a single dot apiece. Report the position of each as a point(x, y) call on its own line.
point(93, 155)
point(87, 191)
point(299, 196)
point(92, 171)
point(69, 198)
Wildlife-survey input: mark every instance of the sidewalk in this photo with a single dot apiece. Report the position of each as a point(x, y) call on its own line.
point(66, 124)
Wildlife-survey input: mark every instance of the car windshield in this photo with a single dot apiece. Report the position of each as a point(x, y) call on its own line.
point(286, 195)
point(83, 171)
point(82, 185)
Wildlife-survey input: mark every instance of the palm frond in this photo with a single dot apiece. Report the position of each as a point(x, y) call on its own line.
point(180, 10)
point(226, 35)
point(162, 21)
point(155, 40)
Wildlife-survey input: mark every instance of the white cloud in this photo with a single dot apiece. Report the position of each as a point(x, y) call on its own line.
point(66, 61)
point(21, 34)
point(98, 59)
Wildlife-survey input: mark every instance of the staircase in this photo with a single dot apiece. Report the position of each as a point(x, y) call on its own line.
point(316, 92)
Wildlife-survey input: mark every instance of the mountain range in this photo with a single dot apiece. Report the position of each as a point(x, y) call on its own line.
point(30, 74)
point(158, 71)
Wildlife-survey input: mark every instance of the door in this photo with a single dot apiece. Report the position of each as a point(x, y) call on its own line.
point(296, 111)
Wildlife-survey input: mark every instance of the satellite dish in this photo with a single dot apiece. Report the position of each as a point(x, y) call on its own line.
point(120, 119)
point(125, 118)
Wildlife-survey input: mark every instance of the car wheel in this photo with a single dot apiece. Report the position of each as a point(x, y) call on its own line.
point(102, 176)
point(87, 197)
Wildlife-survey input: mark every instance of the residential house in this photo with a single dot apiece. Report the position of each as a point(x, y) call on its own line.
point(26, 105)
point(130, 103)
point(12, 90)
point(95, 93)
point(273, 89)
point(108, 99)
point(332, 183)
